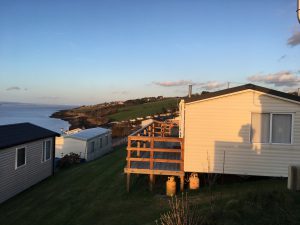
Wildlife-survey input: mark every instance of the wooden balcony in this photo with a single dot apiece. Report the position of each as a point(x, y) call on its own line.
point(155, 150)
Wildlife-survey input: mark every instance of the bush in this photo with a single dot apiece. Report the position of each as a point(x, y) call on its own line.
point(181, 213)
point(69, 159)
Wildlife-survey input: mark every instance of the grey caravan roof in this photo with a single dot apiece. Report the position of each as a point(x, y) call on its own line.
point(21, 133)
point(88, 134)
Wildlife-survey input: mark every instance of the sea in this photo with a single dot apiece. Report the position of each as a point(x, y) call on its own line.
point(11, 113)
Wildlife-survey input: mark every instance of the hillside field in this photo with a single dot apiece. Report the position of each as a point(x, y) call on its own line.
point(142, 110)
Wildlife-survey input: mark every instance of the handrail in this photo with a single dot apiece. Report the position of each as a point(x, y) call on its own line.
point(156, 139)
point(155, 160)
point(141, 129)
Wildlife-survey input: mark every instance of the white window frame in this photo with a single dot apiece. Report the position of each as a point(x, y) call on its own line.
point(44, 151)
point(271, 123)
point(16, 158)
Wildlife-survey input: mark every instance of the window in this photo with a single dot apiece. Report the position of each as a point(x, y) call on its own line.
point(271, 128)
point(106, 140)
point(101, 143)
point(92, 146)
point(20, 157)
point(282, 128)
point(46, 150)
point(46, 155)
point(260, 131)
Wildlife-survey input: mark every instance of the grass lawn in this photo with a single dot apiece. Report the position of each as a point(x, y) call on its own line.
point(131, 112)
point(95, 193)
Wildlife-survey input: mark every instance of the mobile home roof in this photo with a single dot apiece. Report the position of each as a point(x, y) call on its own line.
point(21, 133)
point(243, 88)
point(89, 133)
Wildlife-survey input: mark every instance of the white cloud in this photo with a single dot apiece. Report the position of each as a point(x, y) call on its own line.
point(13, 88)
point(210, 85)
point(294, 39)
point(283, 78)
point(173, 83)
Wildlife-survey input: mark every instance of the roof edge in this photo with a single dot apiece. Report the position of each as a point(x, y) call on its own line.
point(243, 88)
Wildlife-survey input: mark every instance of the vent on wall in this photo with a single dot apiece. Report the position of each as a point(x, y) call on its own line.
point(294, 178)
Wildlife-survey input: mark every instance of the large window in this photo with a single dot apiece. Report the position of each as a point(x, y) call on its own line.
point(20, 157)
point(271, 128)
point(46, 155)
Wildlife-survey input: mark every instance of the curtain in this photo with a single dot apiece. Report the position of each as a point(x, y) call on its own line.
point(281, 128)
point(260, 128)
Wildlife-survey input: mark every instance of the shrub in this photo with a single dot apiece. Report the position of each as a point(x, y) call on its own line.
point(181, 213)
point(69, 159)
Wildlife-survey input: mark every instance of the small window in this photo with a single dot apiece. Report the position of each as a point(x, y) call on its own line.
point(106, 140)
point(100, 142)
point(92, 146)
point(46, 155)
point(20, 157)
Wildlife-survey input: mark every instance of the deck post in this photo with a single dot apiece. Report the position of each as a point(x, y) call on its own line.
point(128, 182)
point(181, 183)
point(151, 181)
point(153, 130)
point(138, 145)
point(128, 152)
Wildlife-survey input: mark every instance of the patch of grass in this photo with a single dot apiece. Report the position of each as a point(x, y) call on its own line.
point(95, 193)
point(91, 193)
point(146, 109)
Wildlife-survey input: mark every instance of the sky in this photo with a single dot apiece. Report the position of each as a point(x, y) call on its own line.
point(88, 52)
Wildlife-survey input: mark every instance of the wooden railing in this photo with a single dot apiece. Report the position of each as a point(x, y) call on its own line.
point(157, 129)
point(153, 144)
point(138, 145)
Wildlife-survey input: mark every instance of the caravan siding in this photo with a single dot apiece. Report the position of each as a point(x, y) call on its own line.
point(98, 149)
point(12, 180)
point(85, 148)
point(217, 136)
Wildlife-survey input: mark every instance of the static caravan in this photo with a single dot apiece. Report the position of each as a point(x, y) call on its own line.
point(246, 130)
point(89, 144)
point(26, 157)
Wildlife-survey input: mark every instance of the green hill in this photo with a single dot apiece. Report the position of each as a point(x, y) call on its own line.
point(101, 114)
point(146, 109)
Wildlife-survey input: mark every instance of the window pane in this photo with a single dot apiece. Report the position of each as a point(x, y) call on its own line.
point(92, 146)
point(260, 127)
point(281, 128)
point(20, 157)
point(43, 152)
point(48, 149)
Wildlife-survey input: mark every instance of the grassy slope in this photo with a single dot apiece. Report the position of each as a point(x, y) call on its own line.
point(94, 193)
point(131, 112)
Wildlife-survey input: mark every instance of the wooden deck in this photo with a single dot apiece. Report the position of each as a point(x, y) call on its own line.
point(154, 150)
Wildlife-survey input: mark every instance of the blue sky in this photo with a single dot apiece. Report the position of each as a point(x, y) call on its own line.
point(85, 52)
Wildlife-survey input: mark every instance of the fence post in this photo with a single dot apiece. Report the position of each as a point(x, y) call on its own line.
point(151, 166)
point(128, 163)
